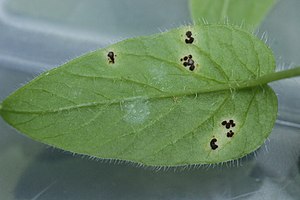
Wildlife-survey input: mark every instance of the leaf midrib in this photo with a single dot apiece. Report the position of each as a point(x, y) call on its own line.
point(216, 88)
point(236, 85)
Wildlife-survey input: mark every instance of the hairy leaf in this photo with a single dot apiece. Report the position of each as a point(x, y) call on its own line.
point(247, 12)
point(193, 95)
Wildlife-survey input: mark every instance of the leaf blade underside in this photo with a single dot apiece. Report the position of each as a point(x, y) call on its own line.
point(147, 107)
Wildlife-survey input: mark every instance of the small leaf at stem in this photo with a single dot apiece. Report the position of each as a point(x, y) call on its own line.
point(249, 13)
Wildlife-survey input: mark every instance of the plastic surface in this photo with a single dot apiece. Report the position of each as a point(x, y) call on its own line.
point(40, 34)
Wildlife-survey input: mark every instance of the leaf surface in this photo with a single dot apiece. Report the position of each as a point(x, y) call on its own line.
point(247, 12)
point(137, 101)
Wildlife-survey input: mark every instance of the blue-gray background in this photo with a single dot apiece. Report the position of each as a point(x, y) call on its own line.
point(36, 35)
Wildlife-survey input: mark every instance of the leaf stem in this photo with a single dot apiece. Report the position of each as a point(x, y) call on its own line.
point(263, 80)
point(234, 85)
point(275, 76)
point(238, 85)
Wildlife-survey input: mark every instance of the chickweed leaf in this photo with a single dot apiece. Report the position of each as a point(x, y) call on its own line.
point(193, 95)
point(248, 13)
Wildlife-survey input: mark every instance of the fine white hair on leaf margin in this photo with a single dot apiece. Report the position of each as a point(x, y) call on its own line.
point(243, 24)
point(226, 20)
point(188, 23)
point(180, 24)
point(182, 168)
point(204, 21)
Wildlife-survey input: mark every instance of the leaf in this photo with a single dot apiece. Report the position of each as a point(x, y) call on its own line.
point(136, 101)
point(247, 12)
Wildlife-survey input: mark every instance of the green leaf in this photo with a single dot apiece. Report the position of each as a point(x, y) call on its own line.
point(136, 101)
point(247, 12)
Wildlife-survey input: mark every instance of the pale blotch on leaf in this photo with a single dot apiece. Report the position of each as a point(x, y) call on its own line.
point(136, 112)
point(158, 74)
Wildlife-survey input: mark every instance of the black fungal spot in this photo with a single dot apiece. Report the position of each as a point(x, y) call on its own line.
point(189, 39)
point(230, 133)
point(188, 62)
point(213, 144)
point(111, 57)
point(228, 124)
point(188, 34)
point(192, 67)
point(232, 123)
